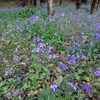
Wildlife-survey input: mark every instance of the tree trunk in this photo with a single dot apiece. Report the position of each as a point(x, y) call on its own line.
point(60, 2)
point(93, 6)
point(38, 3)
point(98, 2)
point(49, 7)
point(32, 2)
point(78, 4)
point(29, 3)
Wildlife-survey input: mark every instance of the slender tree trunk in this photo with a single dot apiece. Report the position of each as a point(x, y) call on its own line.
point(29, 3)
point(93, 6)
point(32, 2)
point(98, 2)
point(26, 2)
point(60, 2)
point(38, 3)
point(78, 4)
point(49, 7)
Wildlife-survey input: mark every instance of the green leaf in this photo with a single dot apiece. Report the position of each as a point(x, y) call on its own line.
point(77, 77)
point(60, 79)
point(50, 65)
point(2, 83)
point(62, 48)
point(80, 71)
point(59, 70)
point(5, 88)
point(25, 86)
point(52, 97)
point(87, 78)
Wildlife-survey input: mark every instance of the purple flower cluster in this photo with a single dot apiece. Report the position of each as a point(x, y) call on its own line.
point(6, 73)
point(4, 34)
point(79, 55)
point(16, 58)
point(41, 46)
point(71, 58)
point(51, 56)
point(97, 35)
point(40, 49)
point(54, 86)
point(76, 44)
point(73, 86)
point(63, 66)
point(97, 24)
point(82, 32)
point(36, 39)
point(97, 72)
point(85, 87)
point(32, 20)
point(50, 49)
point(74, 57)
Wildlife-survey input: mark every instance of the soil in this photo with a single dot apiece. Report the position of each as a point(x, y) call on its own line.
point(9, 4)
point(16, 3)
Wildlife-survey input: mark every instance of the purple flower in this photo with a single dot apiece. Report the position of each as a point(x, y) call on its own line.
point(36, 39)
point(50, 49)
point(37, 51)
point(16, 58)
point(76, 44)
point(91, 43)
point(82, 33)
point(40, 62)
point(4, 34)
point(16, 49)
point(63, 66)
point(81, 54)
point(32, 20)
point(41, 45)
point(72, 85)
point(54, 86)
point(6, 73)
point(97, 24)
point(72, 59)
point(97, 72)
point(68, 56)
point(98, 35)
point(51, 56)
point(85, 87)
point(63, 14)
point(78, 56)
point(43, 49)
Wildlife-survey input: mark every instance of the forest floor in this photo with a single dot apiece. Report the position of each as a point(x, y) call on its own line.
point(9, 4)
point(50, 57)
point(15, 3)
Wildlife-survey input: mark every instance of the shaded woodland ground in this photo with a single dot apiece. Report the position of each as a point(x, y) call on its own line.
point(16, 3)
